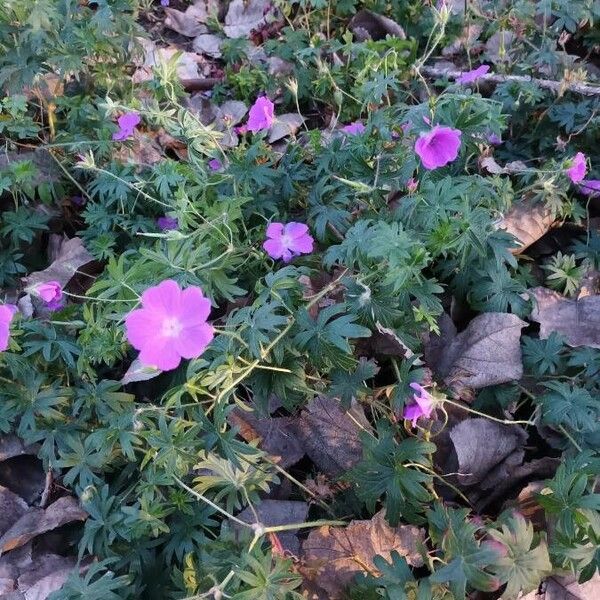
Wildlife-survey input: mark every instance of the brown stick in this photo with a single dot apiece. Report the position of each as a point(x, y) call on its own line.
point(560, 87)
point(200, 85)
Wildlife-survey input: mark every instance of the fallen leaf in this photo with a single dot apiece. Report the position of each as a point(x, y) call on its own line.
point(141, 149)
point(37, 521)
point(47, 170)
point(47, 574)
point(499, 45)
point(567, 588)
point(12, 508)
point(277, 435)
point(367, 25)
point(244, 16)
point(493, 167)
point(72, 255)
point(209, 44)
point(192, 21)
point(486, 353)
point(186, 62)
point(469, 37)
point(278, 512)
point(11, 445)
point(527, 222)
point(330, 436)
point(334, 555)
point(578, 321)
point(284, 125)
point(482, 445)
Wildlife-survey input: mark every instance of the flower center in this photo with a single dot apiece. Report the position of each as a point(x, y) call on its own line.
point(286, 241)
point(171, 327)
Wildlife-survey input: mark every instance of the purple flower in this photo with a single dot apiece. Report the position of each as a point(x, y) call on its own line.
point(261, 115)
point(78, 200)
point(576, 172)
point(127, 123)
point(215, 164)
point(438, 147)
point(590, 187)
point(51, 293)
point(7, 312)
point(411, 185)
point(474, 75)
point(167, 223)
point(164, 2)
point(171, 325)
point(355, 128)
point(494, 140)
point(287, 241)
point(422, 406)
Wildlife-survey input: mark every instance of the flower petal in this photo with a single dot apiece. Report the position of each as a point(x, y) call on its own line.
point(194, 307)
point(164, 297)
point(296, 230)
point(192, 341)
point(275, 230)
point(274, 248)
point(142, 326)
point(160, 353)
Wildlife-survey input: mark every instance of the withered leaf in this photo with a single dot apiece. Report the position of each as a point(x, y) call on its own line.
point(37, 521)
point(482, 445)
point(527, 222)
point(486, 353)
point(577, 320)
point(12, 508)
point(278, 512)
point(209, 44)
point(567, 588)
point(284, 125)
point(369, 25)
point(191, 22)
point(329, 436)
point(277, 435)
point(72, 255)
point(244, 16)
point(334, 555)
point(11, 445)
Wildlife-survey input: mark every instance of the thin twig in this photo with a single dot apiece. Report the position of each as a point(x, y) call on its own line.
point(557, 86)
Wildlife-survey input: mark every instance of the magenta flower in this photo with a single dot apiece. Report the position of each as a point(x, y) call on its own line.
point(7, 312)
point(127, 123)
point(215, 164)
point(171, 325)
point(164, 2)
point(578, 169)
point(438, 147)
point(474, 75)
point(494, 139)
point(261, 115)
point(590, 187)
point(49, 291)
point(287, 241)
point(422, 406)
point(355, 128)
point(167, 223)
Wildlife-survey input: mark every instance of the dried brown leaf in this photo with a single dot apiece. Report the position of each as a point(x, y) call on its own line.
point(12, 508)
point(244, 16)
point(284, 125)
point(369, 25)
point(527, 222)
point(486, 353)
point(334, 555)
point(567, 588)
point(11, 445)
point(192, 22)
point(209, 44)
point(577, 320)
point(330, 436)
point(37, 521)
point(72, 255)
point(278, 512)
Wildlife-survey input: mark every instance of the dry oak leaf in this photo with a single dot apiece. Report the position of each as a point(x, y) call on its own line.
point(12, 508)
point(192, 22)
point(334, 555)
point(578, 321)
point(527, 222)
point(37, 521)
point(330, 435)
point(244, 16)
point(487, 352)
point(566, 588)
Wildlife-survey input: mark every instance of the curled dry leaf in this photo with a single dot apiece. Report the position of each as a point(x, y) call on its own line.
point(487, 352)
point(192, 22)
point(278, 512)
point(486, 451)
point(142, 149)
point(367, 25)
point(46, 574)
point(36, 521)
point(284, 125)
point(187, 62)
point(71, 256)
point(334, 555)
point(12, 508)
point(577, 320)
point(209, 44)
point(527, 222)
point(139, 372)
point(244, 16)
point(330, 435)
point(11, 446)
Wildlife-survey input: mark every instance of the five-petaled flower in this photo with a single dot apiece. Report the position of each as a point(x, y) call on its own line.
point(421, 407)
point(355, 128)
point(438, 147)
point(167, 223)
point(127, 123)
point(261, 115)
point(215, 164)
point(578, 168)
point(287, 241)
point(51, 293)
point(7, 312)
point(171, 325)
point(473, 75)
